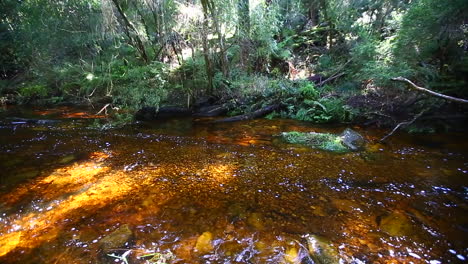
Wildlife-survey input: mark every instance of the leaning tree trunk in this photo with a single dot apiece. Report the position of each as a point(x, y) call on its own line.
point(128, 25)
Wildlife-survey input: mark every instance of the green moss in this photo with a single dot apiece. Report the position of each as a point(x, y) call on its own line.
point(324, 141)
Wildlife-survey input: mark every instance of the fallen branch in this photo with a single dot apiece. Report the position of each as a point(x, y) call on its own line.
point(103, 109)
point(255, 114)
point(427, 91)
point(331, 79)
point(406, 123)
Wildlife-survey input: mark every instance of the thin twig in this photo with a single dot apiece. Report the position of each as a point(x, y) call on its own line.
point(406, 123)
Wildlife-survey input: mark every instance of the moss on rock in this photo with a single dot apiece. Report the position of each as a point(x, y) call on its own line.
point(347, 141)
point(324, 141)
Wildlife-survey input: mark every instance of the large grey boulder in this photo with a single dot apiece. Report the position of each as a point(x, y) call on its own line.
point(352, 139)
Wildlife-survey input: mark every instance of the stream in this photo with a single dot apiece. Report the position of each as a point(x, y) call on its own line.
point(188, 190)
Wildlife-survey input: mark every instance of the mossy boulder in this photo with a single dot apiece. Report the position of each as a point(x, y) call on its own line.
point(347, 141)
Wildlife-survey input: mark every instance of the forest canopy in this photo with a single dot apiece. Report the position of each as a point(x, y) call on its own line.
point(322, 60)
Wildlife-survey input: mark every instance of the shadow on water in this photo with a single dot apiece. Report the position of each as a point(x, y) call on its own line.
point(224, 193)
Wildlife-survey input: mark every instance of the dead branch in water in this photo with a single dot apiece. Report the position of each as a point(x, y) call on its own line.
point(427, 91)
point(103, 109)
point(402, 124)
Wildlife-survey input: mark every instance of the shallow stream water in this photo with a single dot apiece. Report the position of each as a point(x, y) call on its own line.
point(191, 191)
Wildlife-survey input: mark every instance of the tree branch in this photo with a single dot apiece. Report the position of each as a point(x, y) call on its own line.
point(406, 123)
point(427, 91)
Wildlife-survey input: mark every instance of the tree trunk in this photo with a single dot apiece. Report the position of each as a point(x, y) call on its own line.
point(206, 56)
point(222, 52)
point(313, 13)
point(128, 25)
point(244, 32)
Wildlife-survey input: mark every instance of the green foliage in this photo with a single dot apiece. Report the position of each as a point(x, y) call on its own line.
point(191, 76)
point(141, 86)
point(116, 120)
point(308, 91)
point(34, 90)
point(304, 102)
point(87, 50)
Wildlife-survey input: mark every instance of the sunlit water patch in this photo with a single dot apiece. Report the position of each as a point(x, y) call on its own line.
point(190, 191)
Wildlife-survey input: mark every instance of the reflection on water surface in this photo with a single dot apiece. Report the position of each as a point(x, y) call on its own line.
point(189, 191)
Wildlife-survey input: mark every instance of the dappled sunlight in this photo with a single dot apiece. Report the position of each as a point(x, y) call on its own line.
point(219, 173)
point(82, 188)
point(62, 180)
point(89, 186)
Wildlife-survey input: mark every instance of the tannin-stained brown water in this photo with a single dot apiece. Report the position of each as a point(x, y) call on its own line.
point(191, 191)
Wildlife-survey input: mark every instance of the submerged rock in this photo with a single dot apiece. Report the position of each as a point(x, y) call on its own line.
point(345, 205)
point(116, 239)
point(255, 220)
point(291, 255)
point(321, 250)
point(67, 159)
point(396, 224)
point(204, 243)
point(347, 141)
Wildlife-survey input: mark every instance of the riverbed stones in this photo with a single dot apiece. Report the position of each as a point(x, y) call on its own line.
point(321, 250)
point(117, 239)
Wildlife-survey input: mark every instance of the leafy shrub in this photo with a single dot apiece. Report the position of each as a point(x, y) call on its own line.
point(308, 91)
point(141, 86)
point(34, 91)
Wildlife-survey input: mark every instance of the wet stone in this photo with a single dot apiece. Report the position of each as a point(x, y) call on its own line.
point(255, 221)
point(321, 250)
point(116, 239)
point(67, 159)
point(396, 224)
point(345, 205)
point(204, 243)
point(292, 255)
point(352, 139)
